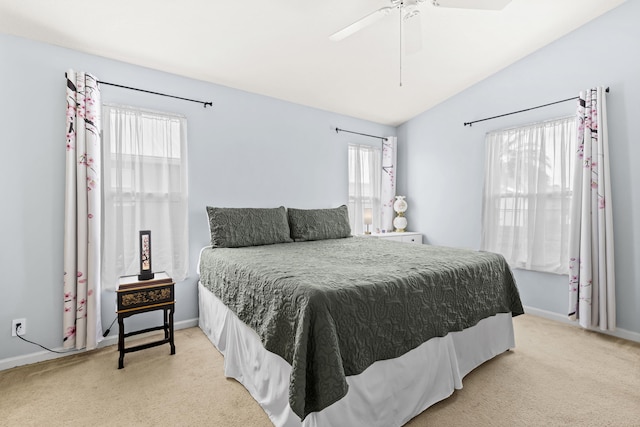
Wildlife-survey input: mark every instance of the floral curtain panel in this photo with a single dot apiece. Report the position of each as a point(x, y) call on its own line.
point(81, 319)
point(591, 259)
point(388, 190)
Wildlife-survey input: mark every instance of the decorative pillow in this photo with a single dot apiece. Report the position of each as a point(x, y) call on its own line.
point(238, 227)
point(319, 224)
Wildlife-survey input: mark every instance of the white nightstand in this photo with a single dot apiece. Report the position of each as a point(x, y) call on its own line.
point(406, 236)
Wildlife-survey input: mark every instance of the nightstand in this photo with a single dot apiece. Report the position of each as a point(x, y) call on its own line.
point(140, 296)
point(405, 236)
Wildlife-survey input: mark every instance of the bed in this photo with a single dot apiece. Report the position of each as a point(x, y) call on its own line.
point(327, 329)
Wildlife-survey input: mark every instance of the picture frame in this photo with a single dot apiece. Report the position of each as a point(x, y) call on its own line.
point(146, 272)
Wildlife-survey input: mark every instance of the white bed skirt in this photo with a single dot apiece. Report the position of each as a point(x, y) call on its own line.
point(388, 393)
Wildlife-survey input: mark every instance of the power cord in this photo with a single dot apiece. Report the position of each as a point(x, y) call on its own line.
point(109, 328)
point(55, 351)
point(40, 345)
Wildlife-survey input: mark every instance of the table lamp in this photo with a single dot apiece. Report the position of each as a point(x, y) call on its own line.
point(368, 219)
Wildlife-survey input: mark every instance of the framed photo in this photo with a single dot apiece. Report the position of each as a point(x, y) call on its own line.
point(146, 272)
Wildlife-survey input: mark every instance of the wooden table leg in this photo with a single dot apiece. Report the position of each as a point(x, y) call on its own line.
point(173, 347)
point(121, 341)
point(166, 323)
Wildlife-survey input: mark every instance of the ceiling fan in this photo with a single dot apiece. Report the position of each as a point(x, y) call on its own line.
point(410, 23)
point(409, 9)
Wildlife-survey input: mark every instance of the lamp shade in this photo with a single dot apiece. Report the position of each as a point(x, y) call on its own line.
point(368, 216)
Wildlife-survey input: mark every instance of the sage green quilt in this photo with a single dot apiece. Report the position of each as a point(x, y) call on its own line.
point(331, 308)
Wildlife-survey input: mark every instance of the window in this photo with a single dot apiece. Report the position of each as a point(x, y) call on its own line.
point(527, 194)
point(145, 188)
point(365, 168)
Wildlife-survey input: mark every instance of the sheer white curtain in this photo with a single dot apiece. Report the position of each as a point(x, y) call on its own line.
point(592, 276)
point(364, 185)
point(527, 194)
point(81, 317)
point(145, 176)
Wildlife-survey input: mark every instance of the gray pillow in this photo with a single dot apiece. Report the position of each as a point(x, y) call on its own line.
point(238, 227)
point(319, 224)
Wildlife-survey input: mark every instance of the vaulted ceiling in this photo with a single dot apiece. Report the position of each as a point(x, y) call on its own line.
point(281, 48)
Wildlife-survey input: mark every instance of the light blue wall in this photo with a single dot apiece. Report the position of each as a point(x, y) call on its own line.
point(251, 150)
point(248, 150)
point(441, 162)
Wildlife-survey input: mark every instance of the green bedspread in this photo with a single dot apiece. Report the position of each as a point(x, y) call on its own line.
point(333, 307)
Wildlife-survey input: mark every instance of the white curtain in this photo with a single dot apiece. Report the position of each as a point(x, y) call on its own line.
point(388, 190)
point(82, 228)
point(364, 186)
point(145, 175)
point(527, 194)
point(591, 277)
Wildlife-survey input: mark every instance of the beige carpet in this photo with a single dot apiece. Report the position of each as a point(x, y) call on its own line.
point(558, 375)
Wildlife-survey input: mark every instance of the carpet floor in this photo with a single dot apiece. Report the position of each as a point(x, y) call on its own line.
point(558, 375)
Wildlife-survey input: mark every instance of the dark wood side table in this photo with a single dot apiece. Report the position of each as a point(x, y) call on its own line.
point(134, 297)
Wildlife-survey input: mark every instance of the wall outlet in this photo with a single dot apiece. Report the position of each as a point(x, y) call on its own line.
point(18, 327)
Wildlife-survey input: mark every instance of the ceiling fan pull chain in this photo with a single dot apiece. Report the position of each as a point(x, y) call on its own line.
point(400, 14)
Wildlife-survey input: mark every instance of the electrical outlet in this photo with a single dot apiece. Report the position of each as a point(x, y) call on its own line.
point(18, 327)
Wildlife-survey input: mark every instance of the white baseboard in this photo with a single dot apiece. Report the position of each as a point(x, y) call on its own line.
point(618, 333)
point(41, 356)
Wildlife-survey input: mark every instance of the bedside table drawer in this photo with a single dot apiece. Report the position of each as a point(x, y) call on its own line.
point(404, 237)
point(151, 296)
point(413, 238)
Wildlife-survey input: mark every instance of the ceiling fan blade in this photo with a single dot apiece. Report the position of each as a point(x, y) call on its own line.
point(361, 23)
point(473, 4)
point(412, 32)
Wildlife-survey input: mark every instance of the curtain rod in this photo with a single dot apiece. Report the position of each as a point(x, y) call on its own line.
point(204, 103)
point(363, 134)
point(522, 111)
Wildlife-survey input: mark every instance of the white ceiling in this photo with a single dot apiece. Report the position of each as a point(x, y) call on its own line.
point(281, 48)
